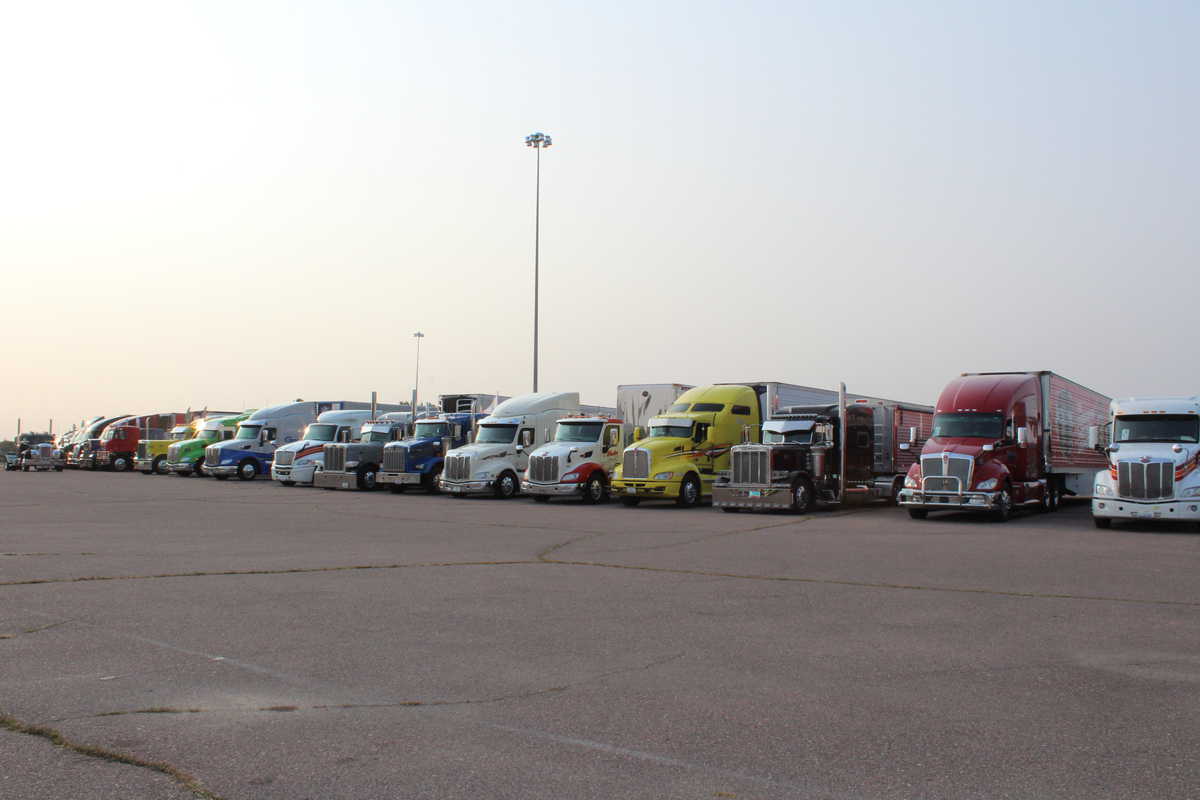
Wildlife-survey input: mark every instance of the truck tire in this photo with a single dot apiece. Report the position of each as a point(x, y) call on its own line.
point(429, 482)
point(630, 502)
point(1104, 523)
point(689, 492)
point(247, 470)
point(159, 467)
point(595, 490)
point(121, 463)
point(1004, 507)
point(365, 480)
point(507, 485)
point(802, 496)
point(918, 513)
point(1055, 496)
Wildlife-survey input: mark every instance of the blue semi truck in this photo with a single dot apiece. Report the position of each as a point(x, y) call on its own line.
point(417, 460)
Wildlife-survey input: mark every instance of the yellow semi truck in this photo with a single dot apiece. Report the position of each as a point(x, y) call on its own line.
point(686, 447)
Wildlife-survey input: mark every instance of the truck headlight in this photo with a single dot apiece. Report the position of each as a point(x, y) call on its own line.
point(986, 486)
point(1193, 491)
point(664, 476)
point(482, 476)
point(910, 482)
point(1102, 490)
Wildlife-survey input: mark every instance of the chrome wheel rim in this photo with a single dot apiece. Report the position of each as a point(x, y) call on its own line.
point(801, 496)
point(595, 489)
point(689, 492)
point(506, 486)
point(247, 470)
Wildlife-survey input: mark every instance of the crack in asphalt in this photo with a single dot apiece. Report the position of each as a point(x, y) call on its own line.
point(105, 754)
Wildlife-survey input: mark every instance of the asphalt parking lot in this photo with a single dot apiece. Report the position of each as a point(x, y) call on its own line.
point(184, 637)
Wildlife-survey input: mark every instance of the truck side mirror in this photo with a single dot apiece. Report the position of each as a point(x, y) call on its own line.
point(1093, 437)
point(912, 436)
point(638, 433)
point(1022, 436)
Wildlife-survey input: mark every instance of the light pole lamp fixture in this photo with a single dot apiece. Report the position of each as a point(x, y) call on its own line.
point(538, 141)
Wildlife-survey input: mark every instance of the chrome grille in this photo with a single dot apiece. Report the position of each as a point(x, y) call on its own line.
point(636, 463)
point(335, 458)
point(143, 450)
point(457, 468)
point(173, 454)
point(212, 456)
point(284, 458)
point(751, 465)
point(543, 469)
point(958, 467)
point(1154, 480)
point(394, 459)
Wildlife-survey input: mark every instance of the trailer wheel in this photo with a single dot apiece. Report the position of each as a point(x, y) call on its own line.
point(366, 478)
point(918, 513)
point(1004, 507)
point(507, 485)
point(689, 492)
point(596, 490)
point(802, 496)
point(1102, 522)
point(247, 470)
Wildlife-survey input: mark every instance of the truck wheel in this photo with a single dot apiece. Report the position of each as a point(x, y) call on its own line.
point(247, 470)
point(159, 467)
point(802, 496)
point(1102, 522)
point(689, 492)
point(120, 463)
point(595, 491)
point(1003, 509)
point(366, 478)
point(630, 502)
point(918, 513)
point(507, 485)
point(1055, 497)
point(430, 481)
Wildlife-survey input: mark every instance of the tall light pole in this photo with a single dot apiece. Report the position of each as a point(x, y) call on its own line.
point(539, 142)
point(417, 378)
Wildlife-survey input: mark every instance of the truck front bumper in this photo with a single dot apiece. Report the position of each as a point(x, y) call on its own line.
point(181, 466)
point(227, 469)
point(297, 473)
point(103, 458)
point(645, 489)
point(1187, 510)
point(552, 489)
point(335, 480)
point(767, 498)
point(467, 487)
point(933, 501)
point(401, 478)
point(143, 464)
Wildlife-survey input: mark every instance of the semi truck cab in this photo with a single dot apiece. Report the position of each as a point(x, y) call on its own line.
point(579, 461)
point(355, 465)
point(152, 453)
point(298, 462)
point(186, 457)
point(418, 459)
point(1153, 451)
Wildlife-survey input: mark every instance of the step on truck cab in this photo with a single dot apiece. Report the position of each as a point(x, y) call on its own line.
point(1152, 446)
point(297, 462)
point(120, 440)
point(355, 465)
point(418, 460)
point(689, 444)
point(251, 451)
point(579, 460)
point(186, 457)
point(1002, 440)
point(152, 454)
point(503, 441)
point(804, 460)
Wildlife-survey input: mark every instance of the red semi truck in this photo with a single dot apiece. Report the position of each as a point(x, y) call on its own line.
point(119, 442)
point(1002, 440)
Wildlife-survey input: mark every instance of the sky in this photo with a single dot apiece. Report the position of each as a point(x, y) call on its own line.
point(236, 204)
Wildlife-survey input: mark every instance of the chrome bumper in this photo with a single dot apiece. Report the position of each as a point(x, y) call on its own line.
point(765, 497)
point(1121, 508)
point(143, 463)
point(466, 487)
point(335, 480)
point(226, 470)
point(915, 498)
point(402, 478)
point(552, 489)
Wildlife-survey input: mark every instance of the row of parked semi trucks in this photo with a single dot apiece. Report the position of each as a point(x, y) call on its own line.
point(993, 443)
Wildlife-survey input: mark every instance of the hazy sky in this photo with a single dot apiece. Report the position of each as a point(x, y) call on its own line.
point(242, 203)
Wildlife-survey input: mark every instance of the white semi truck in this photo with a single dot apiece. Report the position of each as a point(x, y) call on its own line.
point(297, 462)
point(1153, 448)
point(494, 462)
point(579, 460)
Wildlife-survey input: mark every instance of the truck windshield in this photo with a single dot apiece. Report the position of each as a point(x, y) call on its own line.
point(679, 407)
point(1158, 428)
point(376, 436)
point(208, 436)
point(968, 426)
point(496, 434)
point(799, 437)
point(432, 430)
point(578, 431)
point(679, 430)
point(248, 431)
point(321, 432)
point(179, 435)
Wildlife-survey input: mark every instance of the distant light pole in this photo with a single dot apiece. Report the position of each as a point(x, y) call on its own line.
point(417, 378)
point(538, 141)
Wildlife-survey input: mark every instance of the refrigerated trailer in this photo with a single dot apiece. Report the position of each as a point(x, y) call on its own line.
point(1002, 440)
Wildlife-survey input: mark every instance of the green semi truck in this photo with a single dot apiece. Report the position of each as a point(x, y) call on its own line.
point(187, 457)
